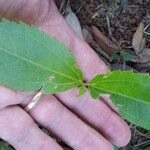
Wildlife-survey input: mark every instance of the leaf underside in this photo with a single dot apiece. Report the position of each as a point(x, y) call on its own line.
point(129, 91)
point(31, 60)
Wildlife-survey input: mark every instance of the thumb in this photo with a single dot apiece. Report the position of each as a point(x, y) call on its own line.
point(24, 10)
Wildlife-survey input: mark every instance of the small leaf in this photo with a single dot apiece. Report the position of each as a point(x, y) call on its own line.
point(4, 146)
point(31, 60)
point(144, 57)
point(138, 41)
point(82, 91)
point(116, 148)
point(73, 21)
point(129, 91)
point(114, 57)
point(125, 56)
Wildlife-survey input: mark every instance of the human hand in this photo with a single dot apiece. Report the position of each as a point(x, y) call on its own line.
point(58, 113)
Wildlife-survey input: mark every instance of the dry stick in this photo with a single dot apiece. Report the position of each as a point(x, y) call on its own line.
point(148, 33)
point(108, 25)
point(110, 33)
point(111, 36)
point(141, 134)
point(64, 4)
point(143, 143)
point(80, 7)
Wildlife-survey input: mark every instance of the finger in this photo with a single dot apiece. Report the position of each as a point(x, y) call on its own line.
point(18, 129)
point(51, 114)
point(12, 97)
point(27, 11)
point(99, 115)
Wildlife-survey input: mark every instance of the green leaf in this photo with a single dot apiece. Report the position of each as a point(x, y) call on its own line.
point(82, 91)
point(148, 148)
point(116, 148)
point(4, 146)
point(126, 56)
point(129, 91)
point(31, 60)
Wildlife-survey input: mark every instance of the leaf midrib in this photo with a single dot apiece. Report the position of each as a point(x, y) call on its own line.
point(114, 81)
point(36, 64)
point(110, 92)
point(60, 84)
point(43, 45)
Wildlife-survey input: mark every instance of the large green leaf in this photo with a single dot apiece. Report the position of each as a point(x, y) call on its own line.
point(129, 91)
point(30, 60)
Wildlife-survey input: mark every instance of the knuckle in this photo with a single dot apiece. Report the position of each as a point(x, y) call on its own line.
point(14, 124)
point(51, 109)
point(6, 96)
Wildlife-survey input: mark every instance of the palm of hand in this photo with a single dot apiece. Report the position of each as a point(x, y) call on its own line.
point(53, 112)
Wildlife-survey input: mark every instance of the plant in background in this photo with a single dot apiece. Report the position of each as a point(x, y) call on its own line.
point(123, 56)
point(118, 4)
point(31, 60)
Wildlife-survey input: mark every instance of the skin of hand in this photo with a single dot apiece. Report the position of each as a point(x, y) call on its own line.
point(62, 114)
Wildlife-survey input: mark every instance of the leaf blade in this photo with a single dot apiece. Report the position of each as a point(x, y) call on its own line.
point(126, 89)
point(33, 58)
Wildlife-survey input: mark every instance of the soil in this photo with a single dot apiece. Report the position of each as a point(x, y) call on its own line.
point(118, 20)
